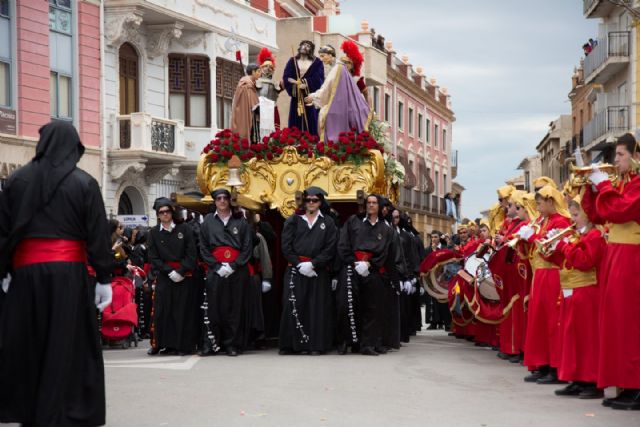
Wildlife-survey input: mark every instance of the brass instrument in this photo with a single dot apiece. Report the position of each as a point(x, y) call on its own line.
point(546, 247)
point(580, 174)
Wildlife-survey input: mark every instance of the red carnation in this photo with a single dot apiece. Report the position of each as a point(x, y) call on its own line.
point(206, 149)
point(216, 142)
point(216, 149)
point(270, 155)
point(214, 158)
point(349, 149)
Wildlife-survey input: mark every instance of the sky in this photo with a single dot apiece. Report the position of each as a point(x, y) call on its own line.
point(507, 65)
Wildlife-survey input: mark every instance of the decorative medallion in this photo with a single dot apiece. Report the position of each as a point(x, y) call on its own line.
point(180, 236)
point(322, 226)
point(235, 230)
point(227, 254)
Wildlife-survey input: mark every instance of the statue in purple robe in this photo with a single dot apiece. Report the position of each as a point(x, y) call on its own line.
point(303, 75)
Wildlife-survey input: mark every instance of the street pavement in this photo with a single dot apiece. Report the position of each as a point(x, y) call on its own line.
point(434, 380)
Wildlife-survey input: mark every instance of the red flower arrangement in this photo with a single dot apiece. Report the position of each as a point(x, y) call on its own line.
point(350, 147)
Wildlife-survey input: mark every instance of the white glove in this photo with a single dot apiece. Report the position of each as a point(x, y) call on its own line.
point(334, 284)
point(306, 269)
point(266, 286)
point(104, 294)
point(362, 268)
point(597, 176)
point(406, 286)
point(421, 291)
point(175, 276)
point(5, 283)
point(554, 245)
point(225, 270)
point(526, 232)
point(414, 281)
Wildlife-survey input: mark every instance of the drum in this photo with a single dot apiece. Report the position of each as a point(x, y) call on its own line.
point(436, 281)
point(479, 268)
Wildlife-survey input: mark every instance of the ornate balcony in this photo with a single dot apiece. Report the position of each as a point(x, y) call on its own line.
point(607, 58)
point(610, 122)
point(143, 142)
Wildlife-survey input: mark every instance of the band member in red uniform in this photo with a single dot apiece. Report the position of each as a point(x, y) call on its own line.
point(619, 206)
point(581, 309)
point(173, 255)
point(309, 241)
point(226, 244)
point(52, 222)
point(542, 347)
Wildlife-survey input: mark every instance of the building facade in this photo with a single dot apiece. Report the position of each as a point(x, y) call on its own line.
point(552, 149)
point(531, 169)
point(49, 69)
point(611, 70)
point(170, 74)
point(421, 126)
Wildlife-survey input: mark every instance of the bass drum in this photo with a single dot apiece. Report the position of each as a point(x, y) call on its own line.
point(479, 268)
point(436, 282)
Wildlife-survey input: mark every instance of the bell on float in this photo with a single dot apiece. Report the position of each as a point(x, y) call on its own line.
point(234, 164)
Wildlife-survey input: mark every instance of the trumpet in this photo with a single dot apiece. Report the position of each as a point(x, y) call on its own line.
point(546, 247)
point(580, 175)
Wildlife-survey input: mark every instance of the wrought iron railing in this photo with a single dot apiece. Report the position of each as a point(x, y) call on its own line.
point(614, 119)
point(163, 136)
point(125, 132)
point(616, 44)
point(141, 131)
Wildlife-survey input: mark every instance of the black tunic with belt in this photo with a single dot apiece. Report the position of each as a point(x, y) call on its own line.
point(367, 293)
point(227, 295)
point(51, 368)
point(175, 319)
point(307, 322)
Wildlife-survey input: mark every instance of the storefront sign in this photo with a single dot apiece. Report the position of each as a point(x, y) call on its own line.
point(7, 121)
point(133, 220)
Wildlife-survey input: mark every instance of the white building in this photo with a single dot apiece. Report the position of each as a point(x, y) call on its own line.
point(169, 74)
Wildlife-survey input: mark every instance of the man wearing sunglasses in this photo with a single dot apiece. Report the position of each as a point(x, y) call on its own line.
point(172, 254)
point(309, 241)
point(226, 244)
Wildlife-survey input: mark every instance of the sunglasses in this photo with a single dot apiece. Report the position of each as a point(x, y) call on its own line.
point(222, 198)
point(312, 200)
point(164, 211)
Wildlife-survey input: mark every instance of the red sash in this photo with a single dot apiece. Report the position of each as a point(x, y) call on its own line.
point(301, 259)
point(37, 251)
point(366, 256)
point(176, 265)
point(229, 254)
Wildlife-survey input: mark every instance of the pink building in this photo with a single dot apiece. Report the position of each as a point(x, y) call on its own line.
point(420, 118)
point(49, 69)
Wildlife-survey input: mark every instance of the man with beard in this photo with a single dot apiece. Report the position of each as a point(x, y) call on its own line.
point(365, 247)
point(303, 74)
point(308, 245)
point(226, 244)
point(172, 254)
point(52, 223)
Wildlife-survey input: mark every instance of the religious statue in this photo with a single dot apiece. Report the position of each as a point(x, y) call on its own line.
point(342, 104)
point(245, 112)
point(327, 55)
point(302, 75)
point(268, 91)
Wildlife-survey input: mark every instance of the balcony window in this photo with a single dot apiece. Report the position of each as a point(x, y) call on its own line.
point(5, 54)
point(376, 101)
point(228, 74)
point(428, 129)
point(444, 140)
point(189, 89)
point(128, 79)
point(420, 126)
point(61, 59)
point(436, 131)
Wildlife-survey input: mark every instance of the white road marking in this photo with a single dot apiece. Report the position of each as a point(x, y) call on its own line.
point(160, 363)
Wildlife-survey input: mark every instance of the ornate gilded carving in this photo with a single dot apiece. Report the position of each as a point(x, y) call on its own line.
point(275, 182)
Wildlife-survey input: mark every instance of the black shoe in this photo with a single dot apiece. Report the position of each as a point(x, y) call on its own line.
point(232, 352)
point(630, 402)
point(153, 351)
point(573, 389)
point(342, 348)
point(533, 377)
point(550, 378)
point(515, 358)
point(285, 351)
point(432, 327)
point(503, 356)
point(381, 350)
point(316, 353)
point(205, 353)
point(591, 391)
point(622, 396)
point(368, 351)
point(167, 352)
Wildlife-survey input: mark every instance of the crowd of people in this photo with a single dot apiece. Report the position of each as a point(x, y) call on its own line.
point(565, 265)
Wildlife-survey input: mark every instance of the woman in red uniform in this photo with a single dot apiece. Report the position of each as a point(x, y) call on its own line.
point(580, 312)
point(619, 206)
point(542, 352)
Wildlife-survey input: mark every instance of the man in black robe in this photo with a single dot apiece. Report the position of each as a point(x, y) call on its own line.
point(52, 223)
point(368, 267)
point(172, 254)
point(391, 328)
point(308, 244)
point(226, 244)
